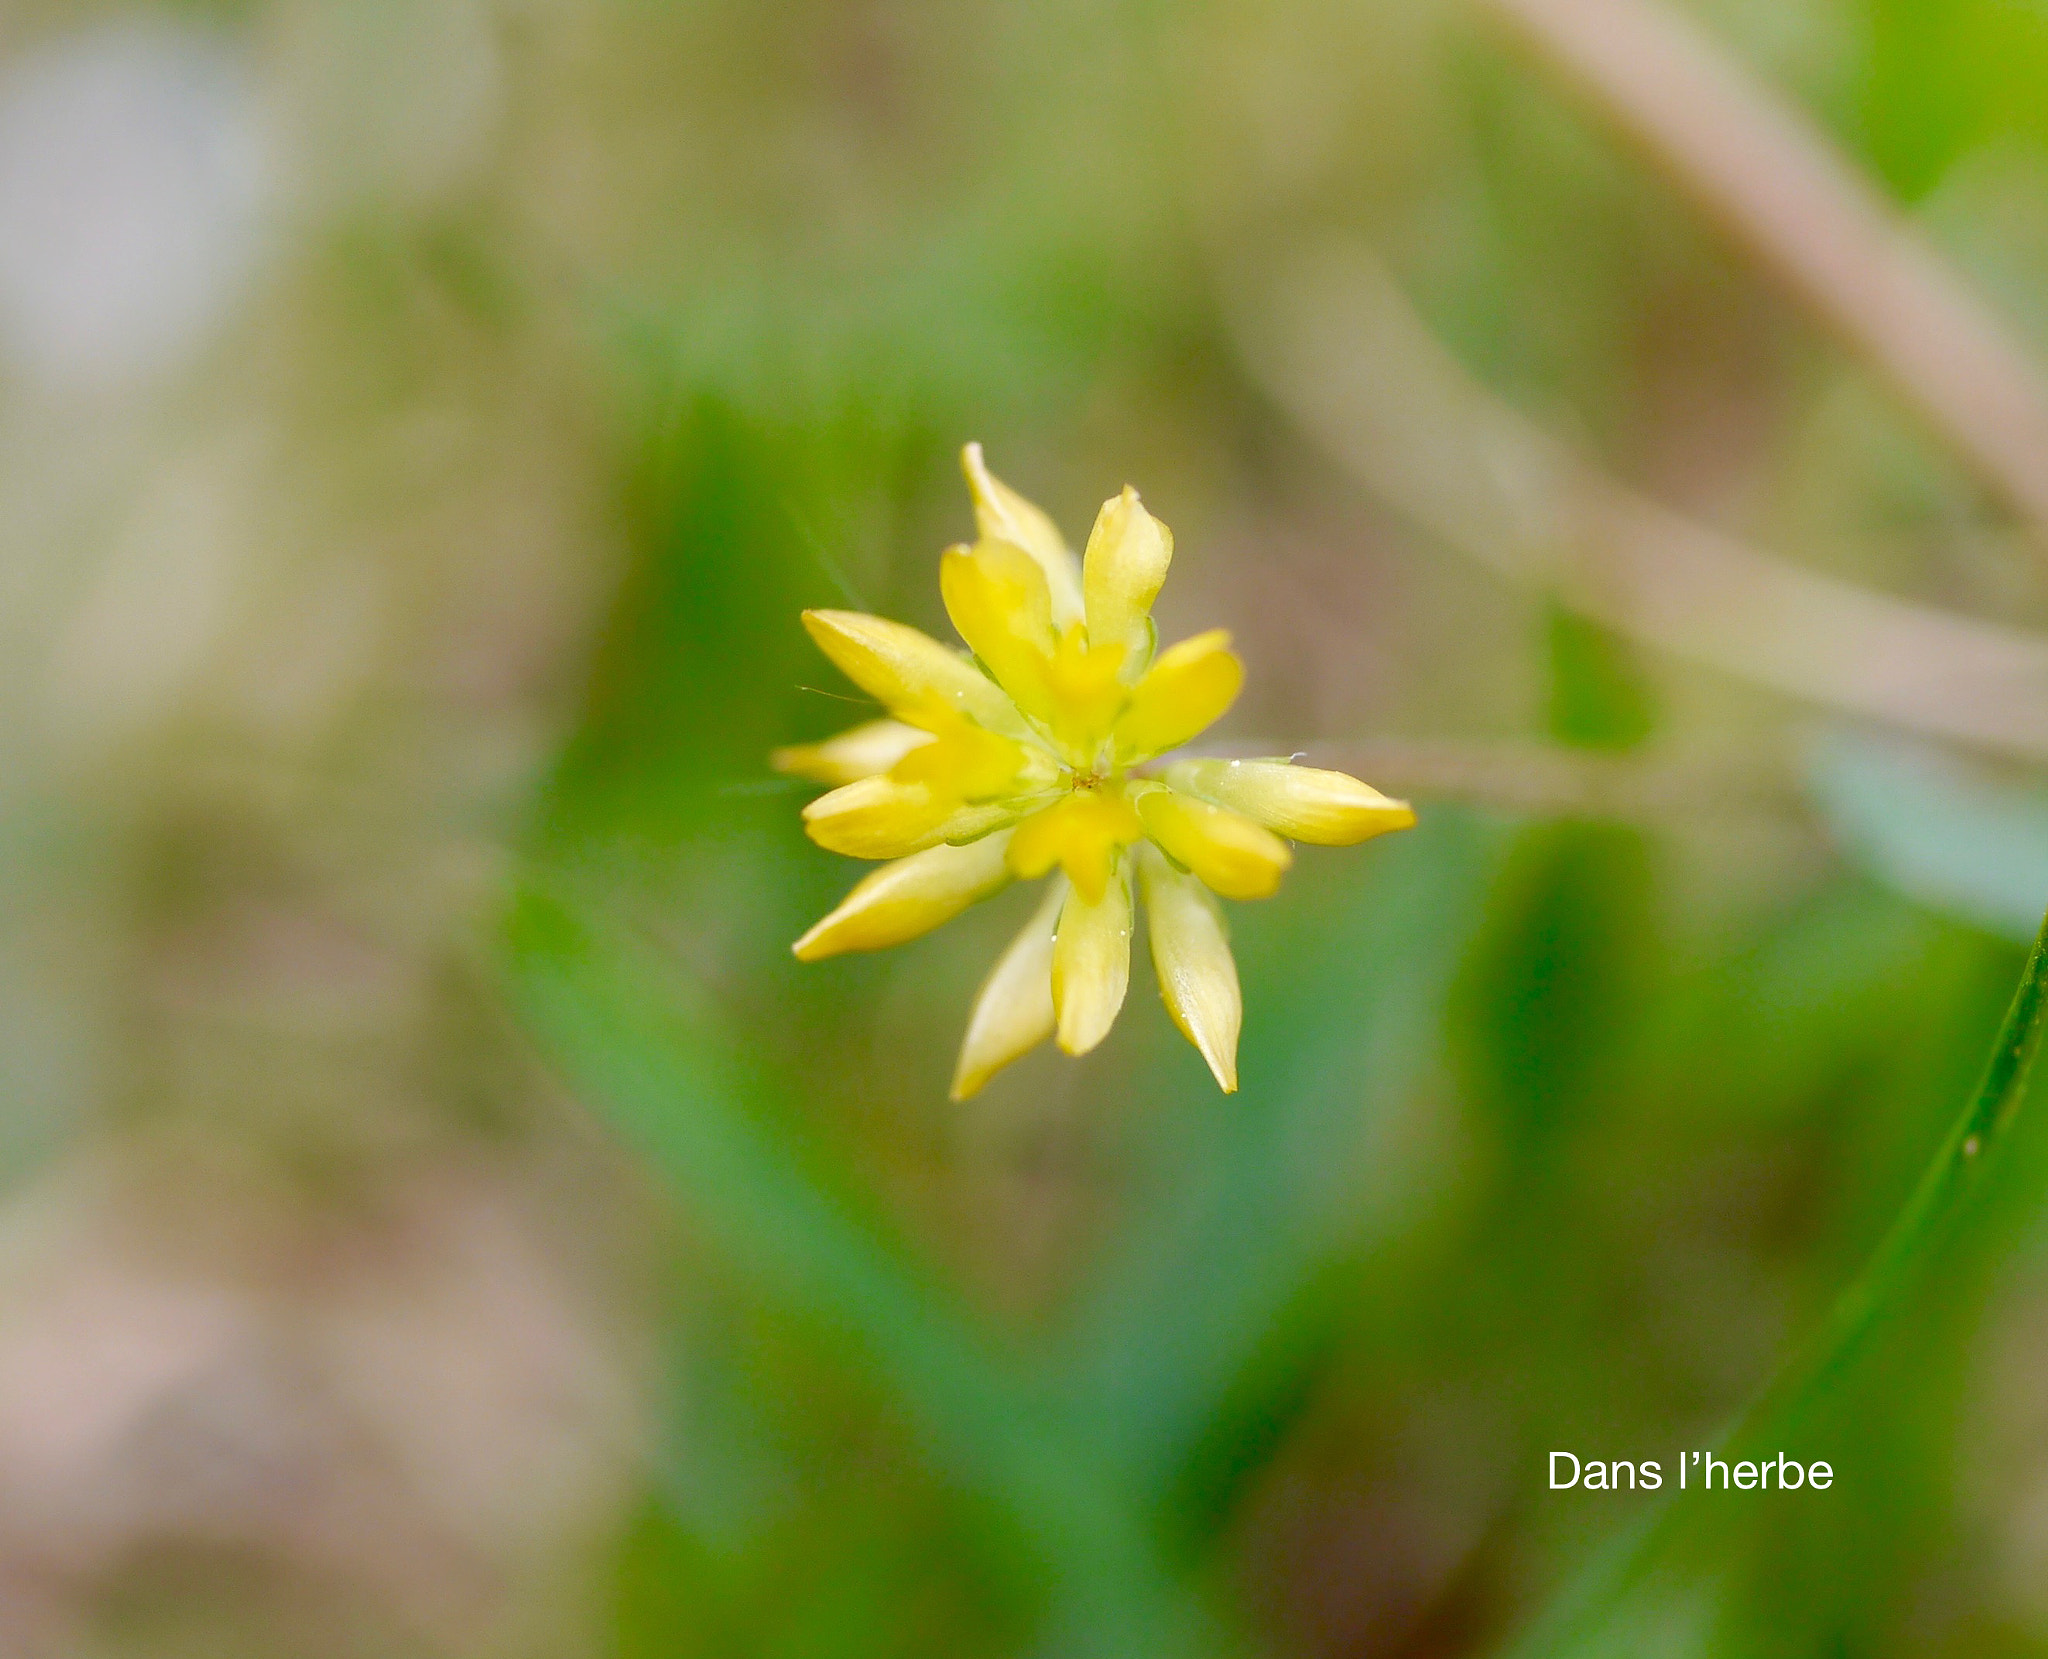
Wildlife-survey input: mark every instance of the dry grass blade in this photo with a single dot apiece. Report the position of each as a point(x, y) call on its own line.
point(1339, 348)
point(1776, 181)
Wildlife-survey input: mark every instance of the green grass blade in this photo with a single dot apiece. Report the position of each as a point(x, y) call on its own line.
point(1217, 1283)
point(621, 1031)
point(1608, 1609)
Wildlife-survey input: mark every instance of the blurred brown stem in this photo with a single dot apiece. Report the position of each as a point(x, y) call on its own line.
point(1548, 779)
point(1774, 179)
point(1338, 347)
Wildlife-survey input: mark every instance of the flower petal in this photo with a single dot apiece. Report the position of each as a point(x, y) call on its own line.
point(968, 761)
point(1184, 692)
point(1003, 515)
point(1087, 694)
point(1082, 833)
point(997, 599)
point(908, 670)
point(909, 897)
point(1303, 803)
point(1191, 954)
point(1236, 857)
point(859, 753)
point(1091, 965)
point(1013, 1012)
point(1122, 572)
point(884, 818)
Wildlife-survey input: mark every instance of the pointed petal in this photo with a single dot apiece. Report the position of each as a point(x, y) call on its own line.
point(1091, 965)
point(1086, 693)
point(1004, 515)
point(1122, 572)
point(1302, 803)
point(1013, 1013)
point(968, 761)
point(996, 597)
point(1236, 857)
point(1184, 692)
point(908, 670)
point(852, 755)
point(1191, 954)
point(876, 813)
point(908, 897)
point(882, 818)
point(1035, 848)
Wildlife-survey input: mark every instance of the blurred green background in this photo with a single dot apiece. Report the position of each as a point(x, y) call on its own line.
point(441, 1218)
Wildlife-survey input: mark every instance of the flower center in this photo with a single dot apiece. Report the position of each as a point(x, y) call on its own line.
point(1083, 833)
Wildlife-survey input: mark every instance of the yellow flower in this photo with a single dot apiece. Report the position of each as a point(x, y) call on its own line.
point(1032, 755)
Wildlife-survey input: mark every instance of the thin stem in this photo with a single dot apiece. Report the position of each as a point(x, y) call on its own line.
point(1338, 346)
point(1957, 1167)
point(1774, 179)
point(1938, 1202)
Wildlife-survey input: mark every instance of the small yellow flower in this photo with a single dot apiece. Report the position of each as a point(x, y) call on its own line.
point(1032, 756)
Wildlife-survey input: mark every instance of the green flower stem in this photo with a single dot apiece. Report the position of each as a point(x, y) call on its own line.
point(1945, 1194)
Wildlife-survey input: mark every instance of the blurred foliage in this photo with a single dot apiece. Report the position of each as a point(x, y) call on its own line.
point(599, 338)
point(1555, 1134)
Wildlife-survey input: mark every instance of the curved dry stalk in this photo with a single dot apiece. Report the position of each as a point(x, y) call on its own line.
point(1773, 178)
point(1339, 348)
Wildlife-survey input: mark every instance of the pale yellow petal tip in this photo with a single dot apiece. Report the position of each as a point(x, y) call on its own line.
point(909, 897)
point(1123, 569)
point(1087, 1014)
point(1001, 514)
point(818, 763)
point(1222, 1063)
point(969, 1082)
point(829, 936)
point(1382, 818)
point(1302, 803)
point(1213, 1037)
point(848, 757)
point(1013, 1011)
point(1091, 966)
point(824, 937)
point(984, 487)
